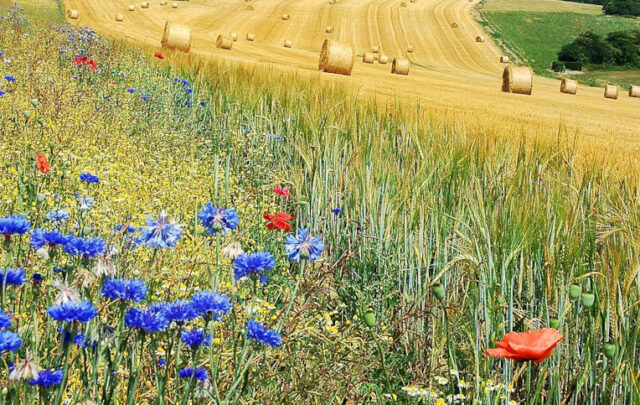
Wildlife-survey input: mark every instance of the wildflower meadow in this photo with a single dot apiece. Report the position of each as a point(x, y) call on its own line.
point(177, 231)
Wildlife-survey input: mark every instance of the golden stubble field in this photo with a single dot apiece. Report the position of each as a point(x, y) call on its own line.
point(451, 75)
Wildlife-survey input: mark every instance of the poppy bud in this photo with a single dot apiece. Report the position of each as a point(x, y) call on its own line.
point(588, 299)
point(86, 231)
point(41, 121)
point(34, 102)
point(26, 114)
point(438, 291)
point(574, 291)
point(370, 319)
point(610, 350)
point(554, 323)
point(40, 197)
point(51, 144)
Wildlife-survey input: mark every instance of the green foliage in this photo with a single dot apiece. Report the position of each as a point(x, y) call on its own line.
point(618, 48)
point(557, 66)
point(622, 7)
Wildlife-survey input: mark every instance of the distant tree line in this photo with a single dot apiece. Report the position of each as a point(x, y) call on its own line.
point(616, 7)
point(617, 48)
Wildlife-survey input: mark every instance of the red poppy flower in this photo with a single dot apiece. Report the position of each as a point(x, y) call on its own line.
point(535, 345)
point(81, 60)
point(113, 84)
point(158, 55)
point(93, 65)
point(283, 191)
point(41, 163)
point(278, 221)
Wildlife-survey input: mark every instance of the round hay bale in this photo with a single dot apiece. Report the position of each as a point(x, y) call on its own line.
point(568, 86)
point(144, 4)
point(329, 29)
point(375, 49)
point(410, 49)
point(224, 42)
point(383, 59)
point(504, 59)
point(163, 3)
point(400, 66)
point(332, 2)
point(174, 5)
point(634, 91)
point(403, 4)
point(72, 14)
point(454, 25)
point(132, 7)
point(119, 17)
point(288, 44)
point(249, 7)
point(250, 37)
point(336, 57)
point(176, 37)
point(285, 17)
point(234, 36)
point(611, 91)
point(368, 57)
point(479, 38)
point(517, 79)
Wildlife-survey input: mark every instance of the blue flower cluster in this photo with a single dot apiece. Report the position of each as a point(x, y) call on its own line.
point(9, 341)
point(125, 290)
point(303, 246)
point(89, 178)
point(253, 264)
point(5, 320)
point(57, 217)
point(209, 304)
point(160, 232)
point(152, 319)
point(259, 332)
point(14, 224)
point(40, 238)
point(218, 219)
point(86, 247)
point(195, 338)
point(12, 276)
point(47, 378)
point(199, 374)
point(73, 312)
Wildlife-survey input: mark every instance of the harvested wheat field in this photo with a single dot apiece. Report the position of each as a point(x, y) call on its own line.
point(450, 72)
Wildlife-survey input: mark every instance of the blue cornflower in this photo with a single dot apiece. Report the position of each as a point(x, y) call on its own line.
point(257, 331)
point(2, 93)
point(130, 90)
point(5, 320)
point(188, 103)
point(129, 228)
point(303, 246)
point(9, 341)
point(184, 82)
point(188, 90)
point(40, 238)
point(89, 178)
point(126, 290)
point(58, 216)
point(14, 224)
point(47, 378)
point(336, 210)
point(210, 304)
point(10, 79)
point(37, 277)
point(218, 219)
point(254, 263)
point(13, 276)
point(181, 311)
point(1, 53)
point(195, 338)
point(203, 103)
point(199, 373)
point(161, 363)
point(89, 247)
point(145, 98)
point(160, 233)
point(73, 311)
point(151, 319)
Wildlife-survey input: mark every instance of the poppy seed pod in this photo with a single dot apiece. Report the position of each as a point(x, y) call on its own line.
point(26, 113)
point(34, 102)
point(574, 291)
point(610, 350)
point(370, 319)
point(588, 299)
point(438, 291)
point(554, 323)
